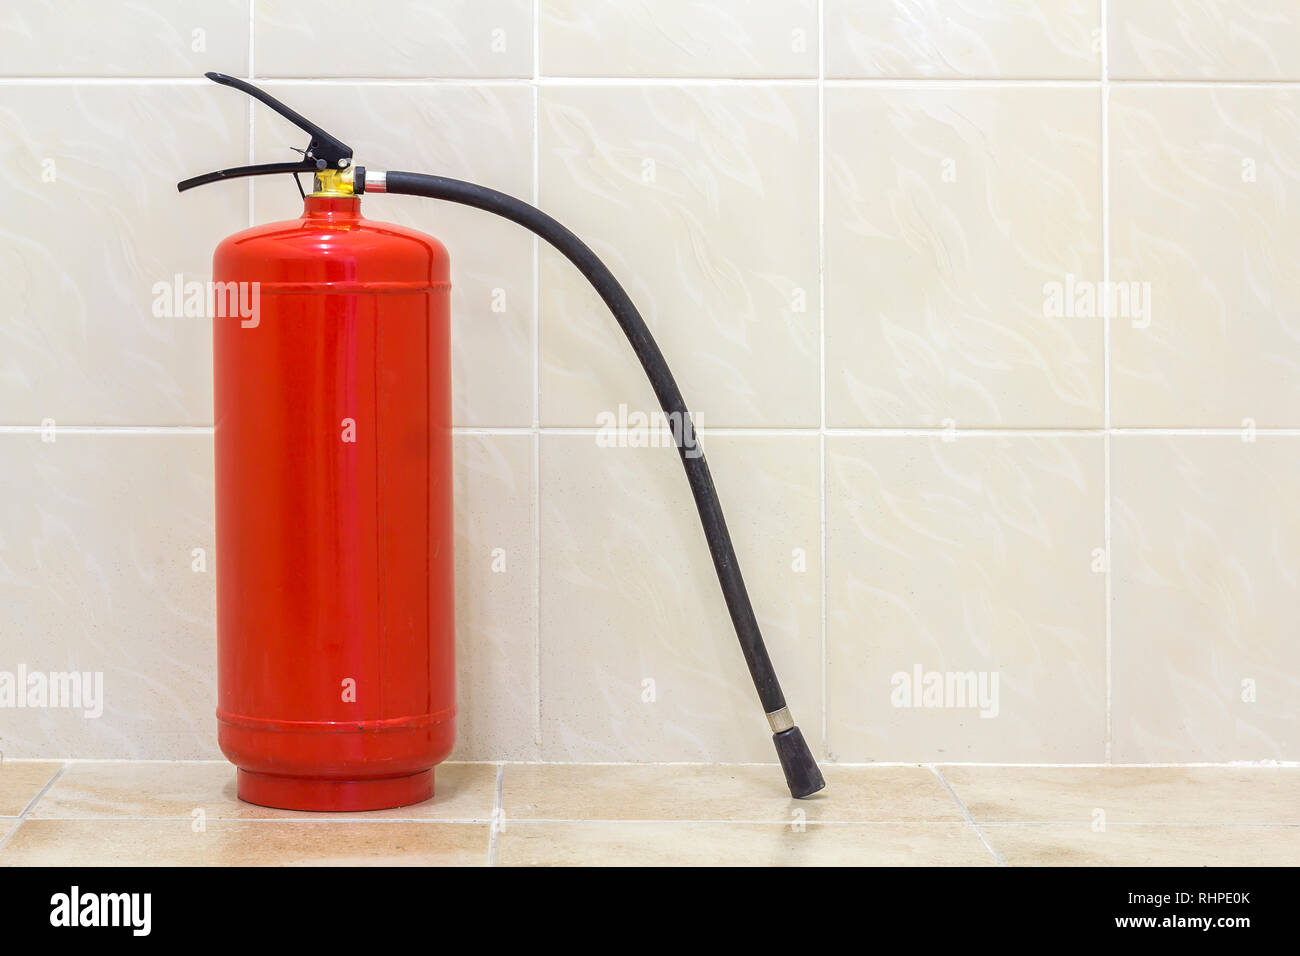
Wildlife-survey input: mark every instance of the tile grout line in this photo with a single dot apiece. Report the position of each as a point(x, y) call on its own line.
point(348, 817)
point(730, 432)
point(1106, 346)
point(537, 378)
point(959, 433)
point(1079, 824)
point(1135, 824)
point(31, 804)
point(682, 821)
point(252, 111)
point(498, 816)
point(850, 764)
point(934, 769)
point(821, 339)
point(912, 82)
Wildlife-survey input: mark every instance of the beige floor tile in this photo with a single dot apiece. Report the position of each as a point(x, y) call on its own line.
point(22, 780)
point(1163, 795)
point(738, 844)
point(1145, 846)
point(176, 790)
point(245, 843)
point(720, 792)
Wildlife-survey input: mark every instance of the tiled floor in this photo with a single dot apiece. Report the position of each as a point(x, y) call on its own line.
point(122, 813)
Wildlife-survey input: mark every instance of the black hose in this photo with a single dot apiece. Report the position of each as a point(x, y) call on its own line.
point(797, 761)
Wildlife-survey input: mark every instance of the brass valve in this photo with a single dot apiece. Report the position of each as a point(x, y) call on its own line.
point(334, 182)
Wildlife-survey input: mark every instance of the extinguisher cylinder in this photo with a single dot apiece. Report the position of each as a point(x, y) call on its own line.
point(336, 687)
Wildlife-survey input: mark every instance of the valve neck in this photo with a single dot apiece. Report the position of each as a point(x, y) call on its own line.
point(331, 207)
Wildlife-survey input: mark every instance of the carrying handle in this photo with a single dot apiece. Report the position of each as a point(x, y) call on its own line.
point(323, 152)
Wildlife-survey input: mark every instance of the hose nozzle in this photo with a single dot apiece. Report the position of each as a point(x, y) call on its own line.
point(802, 775)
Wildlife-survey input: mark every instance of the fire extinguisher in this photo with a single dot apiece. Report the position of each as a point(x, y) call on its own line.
point(335, 624)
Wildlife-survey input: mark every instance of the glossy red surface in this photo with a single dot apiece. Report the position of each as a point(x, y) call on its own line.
point(334, 556)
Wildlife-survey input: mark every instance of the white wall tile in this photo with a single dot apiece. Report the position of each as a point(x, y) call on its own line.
point(97, 539)
point(1035, 39)
point(703, 202)
point(715, 38)
point(948, 212)
point(1207, 569)
point(483, 134)
point(123, 38)
point(496, 599)
point(1203, 39)
point(478, 38)
point(90, 223)
point(1203, 186)
point(629, 595)
point(973, 555)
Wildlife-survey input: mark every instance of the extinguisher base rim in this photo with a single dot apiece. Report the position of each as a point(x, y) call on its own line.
point(334, 795)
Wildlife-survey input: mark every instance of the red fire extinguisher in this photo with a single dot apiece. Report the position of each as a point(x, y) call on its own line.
point(335, 623)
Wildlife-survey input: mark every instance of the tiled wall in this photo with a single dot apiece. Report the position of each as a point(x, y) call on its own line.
point(845, 222)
